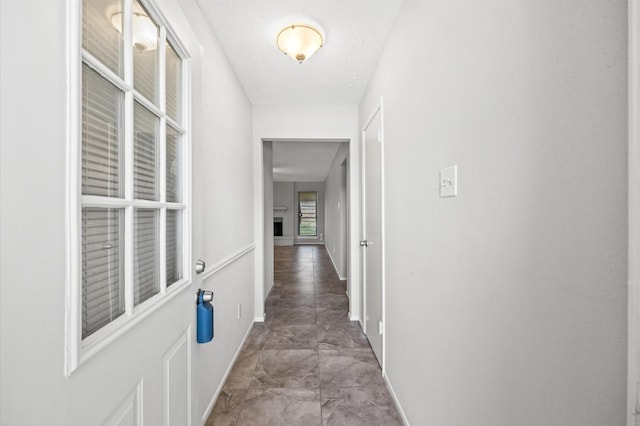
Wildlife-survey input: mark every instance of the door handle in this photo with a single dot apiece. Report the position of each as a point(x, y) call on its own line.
point(364, 243)
point(200, 265)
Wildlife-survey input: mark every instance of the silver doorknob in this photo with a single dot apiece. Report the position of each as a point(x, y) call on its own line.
point(364, 243)
point(207, 296)
point(200, 265)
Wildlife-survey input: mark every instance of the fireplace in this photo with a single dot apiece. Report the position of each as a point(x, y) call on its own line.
point(277, 227)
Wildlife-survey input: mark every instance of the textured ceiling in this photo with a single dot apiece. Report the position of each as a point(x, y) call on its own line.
point(355, 33)
point(303, 161)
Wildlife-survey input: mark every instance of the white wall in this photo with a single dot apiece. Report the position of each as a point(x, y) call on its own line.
point(33, 138)
point(335, 208)
point(339, 122)
point(283, 196)
point(32, 220)
point(506, 305)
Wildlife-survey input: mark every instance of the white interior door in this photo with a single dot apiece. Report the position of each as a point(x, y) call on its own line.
point(373, 255)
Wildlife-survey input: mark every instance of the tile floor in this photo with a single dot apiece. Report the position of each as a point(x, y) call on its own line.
point(307, 364)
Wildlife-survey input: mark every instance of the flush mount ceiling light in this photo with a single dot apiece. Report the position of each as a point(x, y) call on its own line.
point(299, 41)
point(145, 32)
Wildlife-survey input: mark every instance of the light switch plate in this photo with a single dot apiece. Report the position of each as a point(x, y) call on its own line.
point(449, 182)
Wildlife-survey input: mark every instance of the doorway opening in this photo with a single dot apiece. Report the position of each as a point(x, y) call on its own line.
point(306, 200)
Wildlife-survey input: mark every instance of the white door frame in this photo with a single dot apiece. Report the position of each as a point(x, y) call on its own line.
point(378, 108)
point(353, 266)
point(633, 390)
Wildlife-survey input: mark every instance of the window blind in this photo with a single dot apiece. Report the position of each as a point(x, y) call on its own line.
point(173, 252)
point(174, 82)
point(99, 37)
point(145, 66)
point(102, 267)
point(101, 136)
point(145, 154)
point(173, 170)
point(145, 254)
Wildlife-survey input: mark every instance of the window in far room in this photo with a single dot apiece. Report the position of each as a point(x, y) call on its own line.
point(307, 214)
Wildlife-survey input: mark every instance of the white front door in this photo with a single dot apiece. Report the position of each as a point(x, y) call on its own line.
point(132, 323)
point(373, 256)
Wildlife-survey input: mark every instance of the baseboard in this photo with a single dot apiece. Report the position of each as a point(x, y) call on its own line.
point(212, 403)
point(395, 400)
point(266, 293)
point(334, 264)
point(283, 241)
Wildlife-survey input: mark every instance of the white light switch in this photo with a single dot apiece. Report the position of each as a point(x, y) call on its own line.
point(449, 182)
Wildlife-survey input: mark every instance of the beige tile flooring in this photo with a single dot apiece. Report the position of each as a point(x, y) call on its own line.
point(307, 364)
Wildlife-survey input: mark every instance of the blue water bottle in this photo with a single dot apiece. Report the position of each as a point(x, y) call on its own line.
point(205, 316)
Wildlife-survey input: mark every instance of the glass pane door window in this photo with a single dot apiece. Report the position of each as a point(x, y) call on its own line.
point(132, 155)
point(307, 214)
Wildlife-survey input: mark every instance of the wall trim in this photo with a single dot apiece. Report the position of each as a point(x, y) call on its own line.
point(283, 241)
point(212, 403)
point(73, 334)
point(395, 399)
point(335, 266)
point(266, 293)
point(217, 267)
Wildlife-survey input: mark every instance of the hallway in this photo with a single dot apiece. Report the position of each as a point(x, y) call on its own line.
point(307, 364)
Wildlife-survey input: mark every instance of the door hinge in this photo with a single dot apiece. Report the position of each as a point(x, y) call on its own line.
point(380, 327)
